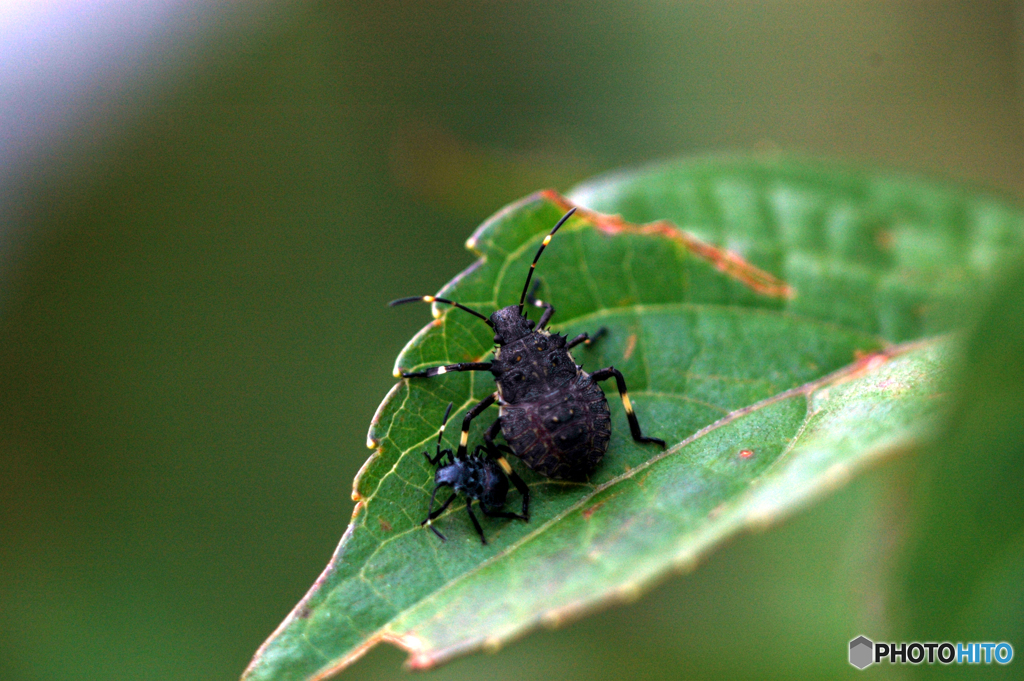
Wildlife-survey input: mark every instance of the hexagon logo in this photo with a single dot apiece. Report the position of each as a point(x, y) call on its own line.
point(861, 652)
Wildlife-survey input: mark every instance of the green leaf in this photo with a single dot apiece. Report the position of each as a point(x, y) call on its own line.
point(966, 545)
point(764, 355)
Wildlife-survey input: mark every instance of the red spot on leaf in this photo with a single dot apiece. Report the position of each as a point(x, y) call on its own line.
point(630, 346)
point(867, 361)
point(587, 512)
point(746, 453)
point(885, 239)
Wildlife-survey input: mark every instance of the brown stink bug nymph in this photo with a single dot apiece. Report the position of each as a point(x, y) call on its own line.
point(553, 414)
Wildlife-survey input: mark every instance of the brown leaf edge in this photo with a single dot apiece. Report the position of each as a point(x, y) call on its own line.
point(727, 262)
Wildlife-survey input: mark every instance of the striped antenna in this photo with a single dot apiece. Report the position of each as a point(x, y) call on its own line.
point(444, 421)
point(543, 245)
point(435, 299)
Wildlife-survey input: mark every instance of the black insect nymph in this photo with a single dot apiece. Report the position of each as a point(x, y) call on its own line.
point(553, 414)
point(476, 477)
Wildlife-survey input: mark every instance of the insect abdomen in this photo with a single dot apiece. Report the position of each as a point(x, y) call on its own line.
point(563, 434)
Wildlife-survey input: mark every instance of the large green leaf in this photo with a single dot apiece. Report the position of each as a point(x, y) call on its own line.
point(962, 579)
point(771, 383)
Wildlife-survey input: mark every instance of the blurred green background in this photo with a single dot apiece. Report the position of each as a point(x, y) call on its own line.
point(193, 331)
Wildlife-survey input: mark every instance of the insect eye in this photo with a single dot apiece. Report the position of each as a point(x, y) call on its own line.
point(497, 339)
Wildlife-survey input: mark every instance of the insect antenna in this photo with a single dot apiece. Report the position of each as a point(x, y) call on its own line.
point(440, 434)
point(435, 299)
point(547, 240)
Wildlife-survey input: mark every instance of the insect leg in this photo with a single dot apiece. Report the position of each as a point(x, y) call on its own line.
point(433, 514)
point(468, 418)
point(500, 514)
point(489, 436)
point(586, 339)
point(634, 425)
point(523, 490)
point(549, 309)
point(440, 454)
point(448, 368)
point(495, 453)
point(476, 523)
